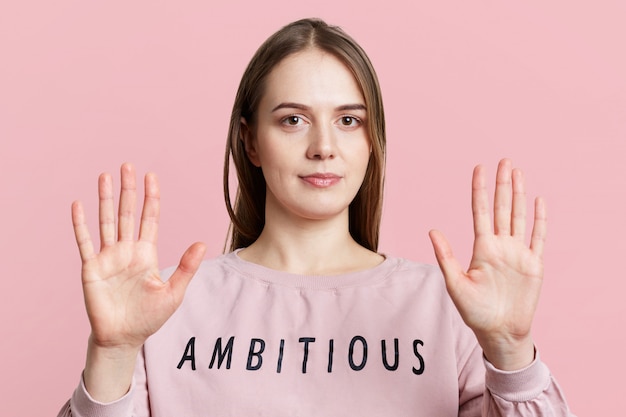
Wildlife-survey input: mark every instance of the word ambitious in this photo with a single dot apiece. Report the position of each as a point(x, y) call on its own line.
point(357, 354)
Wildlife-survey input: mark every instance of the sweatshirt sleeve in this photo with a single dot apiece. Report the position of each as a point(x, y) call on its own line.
point(486, 391)
point(531, 391)
point(82, 405)
point(133, 404)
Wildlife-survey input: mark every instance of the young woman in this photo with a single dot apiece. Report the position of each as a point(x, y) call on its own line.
point(303, 316)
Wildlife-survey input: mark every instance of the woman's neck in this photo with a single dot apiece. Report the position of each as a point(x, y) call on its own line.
point(310, 247)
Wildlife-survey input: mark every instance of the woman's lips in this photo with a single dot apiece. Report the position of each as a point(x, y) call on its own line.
point(321, 180)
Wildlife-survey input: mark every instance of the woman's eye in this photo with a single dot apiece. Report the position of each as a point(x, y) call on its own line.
point(292, 120)
point(349, 121)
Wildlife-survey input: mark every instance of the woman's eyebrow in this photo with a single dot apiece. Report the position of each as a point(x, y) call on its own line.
point(351, 107)
point(291, 106)
point(357, 106)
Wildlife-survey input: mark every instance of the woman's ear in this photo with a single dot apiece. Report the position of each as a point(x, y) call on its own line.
point(249, 143)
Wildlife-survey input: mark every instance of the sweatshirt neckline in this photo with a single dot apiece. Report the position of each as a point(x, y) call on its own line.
point(319, 282)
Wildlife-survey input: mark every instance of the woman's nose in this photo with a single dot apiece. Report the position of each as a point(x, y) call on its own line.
point(321, 143)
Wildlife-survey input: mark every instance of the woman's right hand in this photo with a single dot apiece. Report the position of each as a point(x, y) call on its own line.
point(126, 300)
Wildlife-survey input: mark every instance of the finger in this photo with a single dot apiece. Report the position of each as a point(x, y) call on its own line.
point(81, 232)
point(518, 219)
point(128, 201)
point(148, 229)
point(480, 203)
point(106, 211)
point(187, 267)
point(538, 236)
point(502, 199)
point(451, 268)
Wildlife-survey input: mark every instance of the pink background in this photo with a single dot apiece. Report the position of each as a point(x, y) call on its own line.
point(85, 86)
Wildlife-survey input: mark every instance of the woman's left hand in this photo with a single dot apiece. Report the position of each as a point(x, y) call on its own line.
point(498, 295)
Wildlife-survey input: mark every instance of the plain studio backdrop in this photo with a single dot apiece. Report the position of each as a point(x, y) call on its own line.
point(85, 86)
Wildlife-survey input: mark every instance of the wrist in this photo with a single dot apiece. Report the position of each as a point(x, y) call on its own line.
point(109, 371)
point(508, 355)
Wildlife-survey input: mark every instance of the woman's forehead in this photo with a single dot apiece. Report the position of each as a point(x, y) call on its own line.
point(312, 77)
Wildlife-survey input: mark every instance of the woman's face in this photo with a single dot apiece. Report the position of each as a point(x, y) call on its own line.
point(310, 137)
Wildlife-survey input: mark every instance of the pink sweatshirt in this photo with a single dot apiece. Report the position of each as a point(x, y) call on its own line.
point(248, 340)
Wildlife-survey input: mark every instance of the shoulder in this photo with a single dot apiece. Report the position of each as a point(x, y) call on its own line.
point(419, 280)
point(425, 286)
point(414, 267)
point(207, 266)
point(211, 274)
point(416, 271)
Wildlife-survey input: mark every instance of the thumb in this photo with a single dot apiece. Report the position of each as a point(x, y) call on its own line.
point(187, 267)
point(450, 266)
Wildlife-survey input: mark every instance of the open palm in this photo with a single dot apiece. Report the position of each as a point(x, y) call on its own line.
point(125, 298)
point(498, 294)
